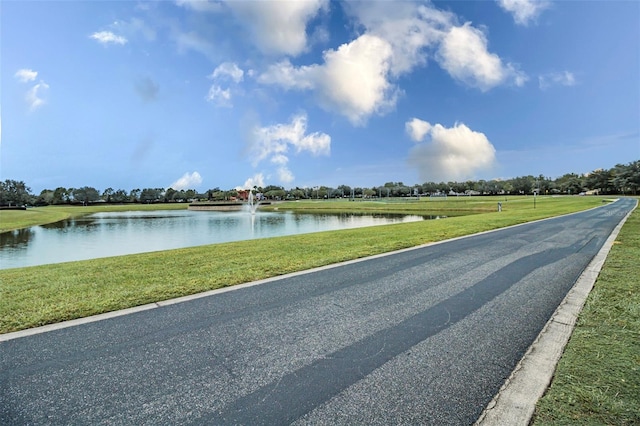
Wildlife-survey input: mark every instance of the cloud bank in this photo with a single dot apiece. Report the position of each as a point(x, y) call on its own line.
point(359, 78)
point(448, 154)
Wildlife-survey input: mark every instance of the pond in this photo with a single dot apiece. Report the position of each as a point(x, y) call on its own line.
point(120, 233)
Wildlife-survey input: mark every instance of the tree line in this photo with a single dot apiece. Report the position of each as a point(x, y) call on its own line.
point(621, 179)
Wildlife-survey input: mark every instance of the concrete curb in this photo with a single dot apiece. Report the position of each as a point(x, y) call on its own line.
point(515, 402)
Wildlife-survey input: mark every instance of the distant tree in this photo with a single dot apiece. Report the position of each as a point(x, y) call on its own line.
point(215, 194)
point(86, 195)
point(170, 195)
point(151, 195)
point(274, 194)
point(429, 188)
point(382, 191)
point(403, 191)
point(570, 183)
point(270, 188)
point(626, 177)
point(45, 198)
point(61, 196)
point(13, 193)
point(542, 184)
point(368, 193)
point(523, 184)
point(297, 193)
point(322, 192)
point(345, 190)
point(119, 196)
point(600, 180)
point(107, 194)
point(134, 195)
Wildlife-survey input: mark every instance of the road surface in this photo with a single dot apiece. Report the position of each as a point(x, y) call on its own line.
point(424, 336)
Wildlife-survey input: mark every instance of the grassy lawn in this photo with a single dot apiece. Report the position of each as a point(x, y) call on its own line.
point(424, 206)
point(40, 295)
point(597, 381)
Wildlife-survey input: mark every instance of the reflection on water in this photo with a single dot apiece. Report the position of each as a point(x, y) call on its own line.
point(16, 239)
point(119, 233)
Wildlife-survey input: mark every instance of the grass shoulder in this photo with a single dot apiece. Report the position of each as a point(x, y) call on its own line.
point(597, 381)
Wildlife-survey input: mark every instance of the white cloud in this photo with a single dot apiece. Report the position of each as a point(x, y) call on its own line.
point(256, 180)
point(187, 181)
point(355, 78)
point(286, 75)
point(417, 32)
point(278, 27)
point(35, 97)
point(228, 70)
point(410, 28)
point(463, 54)
point(285, 175)
point(455, 153)
point(107, 37)
point(274, 142)
point(26, 75)
point(280, 159)
point(225, 71)
point(219, 96)
point(524, 11)
point(358, 78)
point(417, 129)
point(564, 78)
point(352, 81)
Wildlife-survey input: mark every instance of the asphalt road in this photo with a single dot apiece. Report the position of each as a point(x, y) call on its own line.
point(425, 336)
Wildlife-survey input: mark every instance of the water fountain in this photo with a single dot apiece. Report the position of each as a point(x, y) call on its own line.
point(252, 202)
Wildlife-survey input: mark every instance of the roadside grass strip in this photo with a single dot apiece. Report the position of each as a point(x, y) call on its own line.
point(47, 294)
point(597, 381)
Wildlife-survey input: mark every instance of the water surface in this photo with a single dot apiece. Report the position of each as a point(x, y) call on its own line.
point(119, 233)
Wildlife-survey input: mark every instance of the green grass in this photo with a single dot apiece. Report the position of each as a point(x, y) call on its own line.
point(597, 381)
point(423, 206)
point(40, 295)
point(17, 219)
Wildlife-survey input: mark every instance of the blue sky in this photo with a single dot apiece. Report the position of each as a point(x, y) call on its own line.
point(204, 94)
